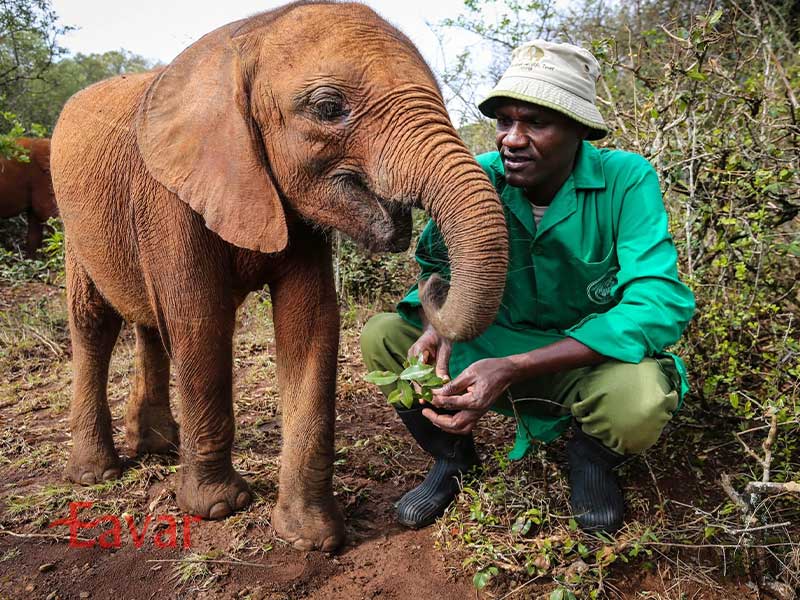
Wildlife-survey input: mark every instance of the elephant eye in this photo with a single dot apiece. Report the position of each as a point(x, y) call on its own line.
point(330, 109)
point(328, 104)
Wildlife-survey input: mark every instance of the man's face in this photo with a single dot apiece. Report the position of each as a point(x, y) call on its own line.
point(538, 146)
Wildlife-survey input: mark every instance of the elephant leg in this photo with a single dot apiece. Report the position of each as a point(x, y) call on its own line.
point(35, 234)
point(307, 338)
point(149, 424)
point(202, 353)
point(94, 327)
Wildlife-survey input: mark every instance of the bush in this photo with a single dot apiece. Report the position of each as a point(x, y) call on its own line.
point(369, 278)
point(16, 268)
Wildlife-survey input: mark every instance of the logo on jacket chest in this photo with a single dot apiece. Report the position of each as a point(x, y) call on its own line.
point(599, 290)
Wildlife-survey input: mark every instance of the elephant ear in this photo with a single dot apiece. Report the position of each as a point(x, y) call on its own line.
point(197, 139)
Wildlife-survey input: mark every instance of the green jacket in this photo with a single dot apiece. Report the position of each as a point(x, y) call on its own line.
point(600, 268)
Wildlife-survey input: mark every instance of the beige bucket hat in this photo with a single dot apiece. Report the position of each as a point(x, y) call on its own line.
point(559, 76)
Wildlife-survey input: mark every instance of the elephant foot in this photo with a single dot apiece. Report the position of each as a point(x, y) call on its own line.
point(89, 467)
point(157, 434)
point(212, 497)
point(309, 527)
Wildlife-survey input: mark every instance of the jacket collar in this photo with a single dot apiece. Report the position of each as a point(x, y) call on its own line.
point(587, 174)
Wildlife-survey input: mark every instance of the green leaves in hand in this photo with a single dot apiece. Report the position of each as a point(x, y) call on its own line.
point(416, 372)
point(381, 377)
point(433, 381)
point(403, 393)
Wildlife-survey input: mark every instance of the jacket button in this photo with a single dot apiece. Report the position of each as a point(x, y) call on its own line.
point(538, 250)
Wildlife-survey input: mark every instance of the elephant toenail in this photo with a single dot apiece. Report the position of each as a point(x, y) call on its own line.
point(112, 473)
point(242, 500)
point(330, 544)
point(304, 545)
point(219, 511)
point(88, 479)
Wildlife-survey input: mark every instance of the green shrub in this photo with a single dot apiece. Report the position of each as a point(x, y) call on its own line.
point(47, 266)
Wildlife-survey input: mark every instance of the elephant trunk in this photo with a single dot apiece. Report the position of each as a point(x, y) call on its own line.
point(467, 211)
point(452, 188)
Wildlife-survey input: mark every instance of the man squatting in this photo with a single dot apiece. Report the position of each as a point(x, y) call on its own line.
point(592, 298)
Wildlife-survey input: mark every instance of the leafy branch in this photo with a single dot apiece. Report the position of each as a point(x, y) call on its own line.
point(416, 382)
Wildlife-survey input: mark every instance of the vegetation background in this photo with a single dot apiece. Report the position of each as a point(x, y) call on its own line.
point(709, 92)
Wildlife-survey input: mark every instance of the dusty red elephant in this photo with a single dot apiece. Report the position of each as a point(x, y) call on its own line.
point(25, 188)
point(186, 188)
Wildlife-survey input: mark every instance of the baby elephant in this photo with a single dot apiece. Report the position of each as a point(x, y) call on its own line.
point(184, 189)
point(25, 188)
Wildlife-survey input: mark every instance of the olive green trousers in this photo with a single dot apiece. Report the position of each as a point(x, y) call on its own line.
point(624, 405)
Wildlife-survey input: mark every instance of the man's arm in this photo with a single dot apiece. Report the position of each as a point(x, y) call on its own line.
point(563, 355)
point(479, 386)
point(654, 306)
point(431, 256)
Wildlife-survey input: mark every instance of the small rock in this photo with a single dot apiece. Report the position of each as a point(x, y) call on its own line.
point(52, 596)
point(576, 569)
point(46, 567)
point(84, 594)
point(29, 587)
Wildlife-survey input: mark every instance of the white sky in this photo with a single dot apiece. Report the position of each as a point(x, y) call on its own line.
point(160, 29)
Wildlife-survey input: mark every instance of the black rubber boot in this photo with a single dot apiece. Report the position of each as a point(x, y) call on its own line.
point(596, 498)
point(454, 455)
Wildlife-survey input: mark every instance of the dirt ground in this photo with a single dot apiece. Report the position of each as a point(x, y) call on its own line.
point(241, 557)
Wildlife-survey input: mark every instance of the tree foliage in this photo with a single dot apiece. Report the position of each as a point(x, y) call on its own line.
point(28, 46)
point(36, 76)
point(29, 33)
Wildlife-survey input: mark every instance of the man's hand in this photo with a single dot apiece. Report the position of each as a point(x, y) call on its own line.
point(434, 350)
point(478, 387)
point(460, 423)
point(472, 394)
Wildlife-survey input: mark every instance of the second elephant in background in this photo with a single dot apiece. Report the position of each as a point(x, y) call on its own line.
point(25, 188)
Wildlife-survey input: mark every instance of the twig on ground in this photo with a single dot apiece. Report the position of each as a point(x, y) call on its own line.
point(768, 442)
point(518, 588)
point(738, 500)
point(763, 487)
point(658, 491)
point(52, 536)
point(761, 528)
